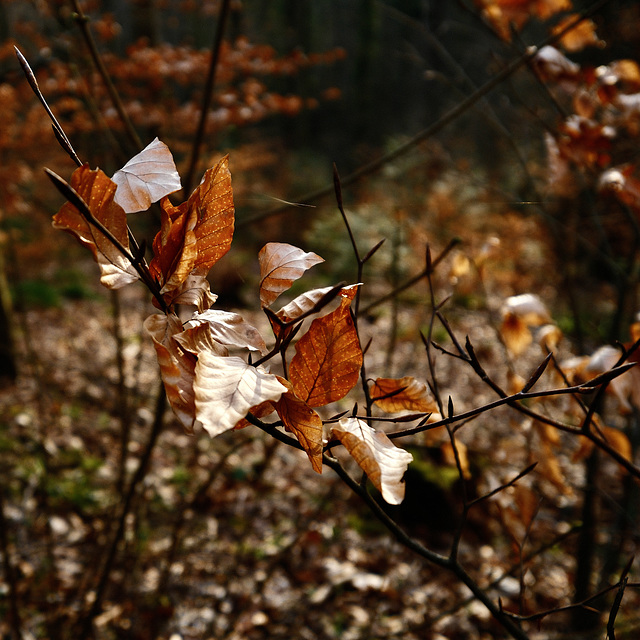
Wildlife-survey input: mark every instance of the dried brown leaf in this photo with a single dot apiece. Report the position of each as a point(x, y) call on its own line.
point(280, 265)
point(147, 177)
point(402, 394)
point(383, 462)
point(177, 367)
point(98, 191)
point(299, 418)
point(328, 357)
point(226, 389)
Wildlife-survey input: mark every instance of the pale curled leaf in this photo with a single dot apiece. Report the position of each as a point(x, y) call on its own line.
point(302, 304)
point(97, 191)
point(177, 368)
point(383, 462)
point(146, 178)
point(229, 329)
point(280, 265)
point(299, 418)
point(402, 394)
point(226, 389)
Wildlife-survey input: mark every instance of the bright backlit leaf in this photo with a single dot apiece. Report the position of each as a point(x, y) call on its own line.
point(97, 191)
point(280, 265)
point(328, 358)
point(146, 178)
point(226, 389)
point(383, 462)
point(177, 368)
point(196, 234)
point(299, 418)
point(402, 394)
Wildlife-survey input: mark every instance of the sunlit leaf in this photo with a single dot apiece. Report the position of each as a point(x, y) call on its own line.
point(146, 178)
point(97, 191)
point(226, 389)
point(196, 234)
point(519, 313)
point(383, 462)
point(177, 368)
point(581, 36)
point(280, 265)
point(302, 304)
point(402, 394)
point(299, 418)
point(229, 329)
point(328, 358)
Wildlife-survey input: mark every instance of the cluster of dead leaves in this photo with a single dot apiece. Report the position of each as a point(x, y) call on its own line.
point(507, 16)
point(214, 365)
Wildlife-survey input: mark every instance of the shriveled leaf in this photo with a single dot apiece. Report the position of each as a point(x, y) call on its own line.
point(177, 368)
point(226, 389)
point(230, 329)
point(328, 358)
point(581, 36)
point(383, 462)
point(196, 234)
point(518, 314)
point(146, 178)
point(280, 265)
point(299, 418)
point(402, 394)
point(198, 339)
point(97, 191)
point(195, 290)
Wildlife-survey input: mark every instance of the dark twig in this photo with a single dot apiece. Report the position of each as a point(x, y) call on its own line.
point(207, 97)
point(57, 128)
point(83, 23)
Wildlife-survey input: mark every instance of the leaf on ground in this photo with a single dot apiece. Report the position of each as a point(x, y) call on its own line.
point(230, 329)
point(299, 418)
point(196, 234)
point(327, 361)
point(280, 265)
point(146, 178)
point(97, 191)
point(177, 368)
point(383, 462)
point(580, 36)
point(226, 389)
point(402, 394)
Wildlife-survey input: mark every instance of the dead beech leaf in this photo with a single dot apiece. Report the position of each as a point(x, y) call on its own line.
point(195, 291)
point(147, 177)
point(196, 234)
point(327, 359)
point(226, 389)
point(177, 368)
point(402, 394)
point(305, 424)
point(229, 329)
point(581, 36)
point(383, 462)
point(97, 191)
point(174, 247)
point(302, 304)
point(280, 265)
